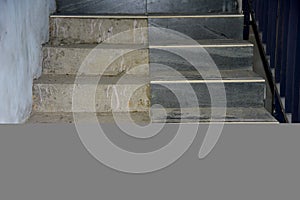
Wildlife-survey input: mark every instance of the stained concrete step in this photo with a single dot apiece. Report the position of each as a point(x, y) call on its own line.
point(55, 93)
point(101, 7)
point(149, 6)
point(198, 27)
point(96, 29)
point(233, 115)
point(187, 55)
point(141, 118)
point(93, 59)
point(230, 88)
point(227, 115)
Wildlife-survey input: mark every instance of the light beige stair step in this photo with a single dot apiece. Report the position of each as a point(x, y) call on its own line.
point(55, 93)
point(92, 59)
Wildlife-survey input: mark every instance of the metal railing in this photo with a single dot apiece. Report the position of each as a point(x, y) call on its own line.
point(278, 21)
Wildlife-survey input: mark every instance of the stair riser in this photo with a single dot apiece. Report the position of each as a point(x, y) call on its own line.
point(60, 60)
point(200, 28)
point(153, 6)
point(59, 98)
point(192, 6)
point(95, 31)
point(224, 58)
point(238, 95)
point(101, 6)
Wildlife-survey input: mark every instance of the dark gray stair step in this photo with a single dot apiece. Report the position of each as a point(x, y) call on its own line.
point(199, 27)
point(234, 89)
point(224, 54)
point(97, 29)
point(104, 59)
point(101, 7)
point(192, 6)
point(202, 115)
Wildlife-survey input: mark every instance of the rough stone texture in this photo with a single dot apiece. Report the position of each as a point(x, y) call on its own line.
point(201, 28)
point(55, 94)
point(141, 118)
point(226, 56)
point(97, 30)
point(192, 6)
point(244, 115)
point(23, 29)
point(97, 59)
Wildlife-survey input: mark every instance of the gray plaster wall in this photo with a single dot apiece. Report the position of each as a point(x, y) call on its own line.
point(24, 27)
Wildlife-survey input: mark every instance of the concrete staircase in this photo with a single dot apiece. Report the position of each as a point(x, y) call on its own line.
point(187, 56)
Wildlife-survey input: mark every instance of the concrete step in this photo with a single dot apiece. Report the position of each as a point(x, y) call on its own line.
point(192, 6)
point(141, 118)
point(133, 29)
point(198, 27)
point(186, 55)
point(97, 29)
point(55, 93)
point(102, 59)
point(231, 88)
point(101, 7)
point(143, 6)
point(227, 115)
point(233, 115)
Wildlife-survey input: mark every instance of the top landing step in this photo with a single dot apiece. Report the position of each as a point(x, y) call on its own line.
point(85, 7)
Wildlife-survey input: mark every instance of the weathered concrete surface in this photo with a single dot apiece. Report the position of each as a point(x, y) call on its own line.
point(141, 118)
point(95, 59)
point(55, 94)
point(101, 7)
point(64, 30)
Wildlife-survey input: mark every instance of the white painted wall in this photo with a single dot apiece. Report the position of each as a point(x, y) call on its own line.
point(23, 28)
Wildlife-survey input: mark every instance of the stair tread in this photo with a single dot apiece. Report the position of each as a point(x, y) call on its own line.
point(145, 16)
point(223, 75)
point(155, 44)
point(238, 115)
point(101, 45)
point(181, 42)
point(90, 79)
